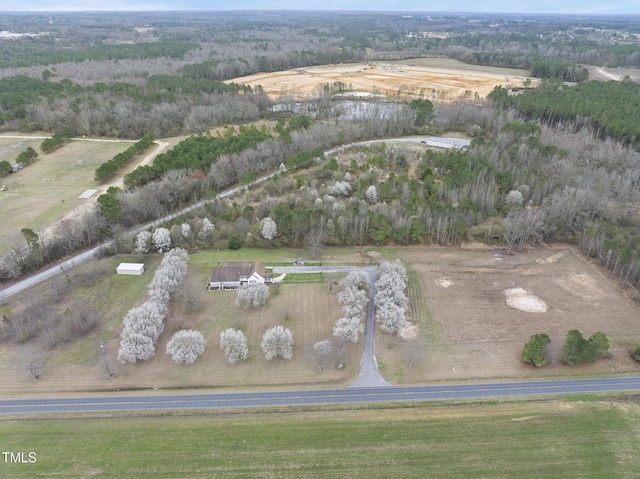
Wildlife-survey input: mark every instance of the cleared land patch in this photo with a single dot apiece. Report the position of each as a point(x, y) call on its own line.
point(410, 78)
point(482, 311)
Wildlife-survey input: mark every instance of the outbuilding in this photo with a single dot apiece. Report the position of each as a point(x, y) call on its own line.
point(131, 268)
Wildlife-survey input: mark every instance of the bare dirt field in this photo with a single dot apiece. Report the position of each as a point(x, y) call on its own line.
point(606, 74)
point(483, 306)
point(433, 78)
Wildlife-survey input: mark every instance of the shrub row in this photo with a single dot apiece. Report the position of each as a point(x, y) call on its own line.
point(109, 168)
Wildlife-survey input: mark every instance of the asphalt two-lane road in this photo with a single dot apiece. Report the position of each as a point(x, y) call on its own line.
point(319, 397)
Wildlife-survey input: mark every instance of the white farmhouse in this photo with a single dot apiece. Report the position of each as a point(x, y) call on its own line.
point(232, 275)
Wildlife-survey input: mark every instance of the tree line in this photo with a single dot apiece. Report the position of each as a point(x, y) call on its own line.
point(109, 168)
point(610, 107)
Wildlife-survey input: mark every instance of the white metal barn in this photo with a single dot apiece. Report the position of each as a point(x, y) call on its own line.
point(131, 268)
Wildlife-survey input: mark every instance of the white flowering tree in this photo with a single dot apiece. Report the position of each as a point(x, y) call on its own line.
point(391, 318)
point(185, 231)
point(391, 299)
point(353, 302)
point(354, 297)
point(371, 195)
point(513, 198)
point(135, 347)
point(147, 319)
point(234, 344)
point(143, 241)
point(340, 188)
point(143, 324)
point(161, 239)
point(322, 350)
point(252, 295)
point(277, 342)
point(206, 231)
point(356, 279)
point(169, 275)
point(269, 229)
point(348, 330)
point(185, 346)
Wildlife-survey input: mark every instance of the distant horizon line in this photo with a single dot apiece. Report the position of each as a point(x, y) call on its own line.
point(314, 10)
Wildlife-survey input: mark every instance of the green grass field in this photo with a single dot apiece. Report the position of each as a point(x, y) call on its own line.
point(41, 202)
point(552, 439)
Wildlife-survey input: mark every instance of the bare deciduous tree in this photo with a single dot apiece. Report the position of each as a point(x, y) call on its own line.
point(190, 294)
point(32, 360)
point(315, 240)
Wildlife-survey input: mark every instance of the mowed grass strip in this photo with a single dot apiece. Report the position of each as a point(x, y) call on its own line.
point(544, 440)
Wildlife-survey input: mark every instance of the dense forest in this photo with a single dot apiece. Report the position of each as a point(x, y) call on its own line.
point(611, 107)
point(123, 75)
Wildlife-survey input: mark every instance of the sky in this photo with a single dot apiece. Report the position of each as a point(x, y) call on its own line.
point(535, 6)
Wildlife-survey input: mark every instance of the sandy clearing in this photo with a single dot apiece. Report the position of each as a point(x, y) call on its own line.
point(386, 79)
point(518, 298)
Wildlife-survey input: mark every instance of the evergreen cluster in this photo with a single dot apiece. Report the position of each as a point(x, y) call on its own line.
point(55, 142)
point(27, 156)
point(611, 107)
point(109, 168)
point(197, 152)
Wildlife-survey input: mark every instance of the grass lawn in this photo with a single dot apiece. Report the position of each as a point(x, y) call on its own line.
point(40, 204)
point(308, 306)
point(551, 439)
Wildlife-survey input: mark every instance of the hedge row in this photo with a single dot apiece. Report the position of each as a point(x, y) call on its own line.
point(110, 168)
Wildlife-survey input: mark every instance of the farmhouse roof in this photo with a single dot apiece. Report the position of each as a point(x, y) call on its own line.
point(233, 271)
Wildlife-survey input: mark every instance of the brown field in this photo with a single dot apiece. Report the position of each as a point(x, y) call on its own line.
point(464, 294)
point(433, 78)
